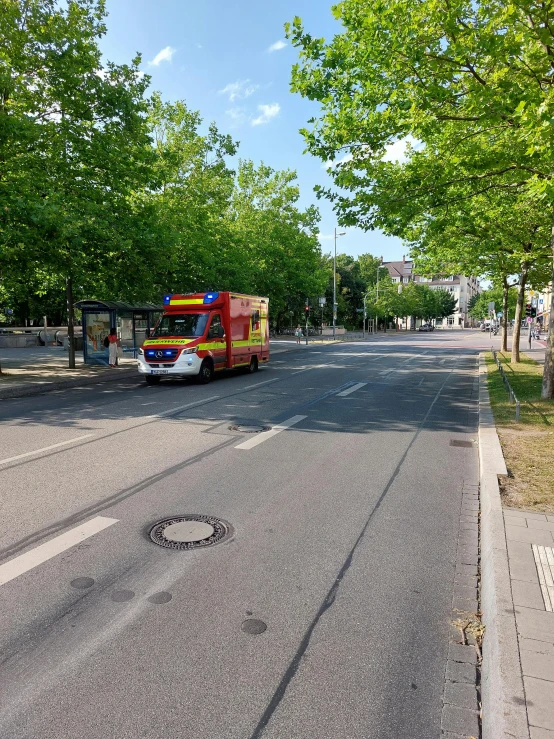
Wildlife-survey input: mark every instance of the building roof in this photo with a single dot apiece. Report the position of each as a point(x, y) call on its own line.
point(399, 269)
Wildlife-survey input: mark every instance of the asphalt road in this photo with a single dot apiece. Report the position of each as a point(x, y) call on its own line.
point(344, 545)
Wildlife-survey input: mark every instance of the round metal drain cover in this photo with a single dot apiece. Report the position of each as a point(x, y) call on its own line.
point(189, 532)
point(250, 428)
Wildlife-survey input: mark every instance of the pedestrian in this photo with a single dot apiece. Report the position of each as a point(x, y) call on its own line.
point(113, 342)
point(298, 334)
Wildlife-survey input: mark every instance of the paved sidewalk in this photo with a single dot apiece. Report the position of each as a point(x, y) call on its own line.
point(39, 369)
point(530, 539)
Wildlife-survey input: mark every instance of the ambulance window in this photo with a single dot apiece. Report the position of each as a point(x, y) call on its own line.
point(255, 320)
point(215, 325)
point(181, 324)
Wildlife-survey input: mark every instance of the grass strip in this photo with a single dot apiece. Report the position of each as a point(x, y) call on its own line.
point(528, 445)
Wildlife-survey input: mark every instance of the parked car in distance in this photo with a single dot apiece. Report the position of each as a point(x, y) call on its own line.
point(426, 327)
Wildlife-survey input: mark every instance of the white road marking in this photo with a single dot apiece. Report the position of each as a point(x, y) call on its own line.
point(352, 389)
point(421, 381)
point(25, 562)
point(385, 372)
point(442, 361)
point(265, 435)
point(161, 414)
point(44, 449)
point(266, 382)
point(544, 560)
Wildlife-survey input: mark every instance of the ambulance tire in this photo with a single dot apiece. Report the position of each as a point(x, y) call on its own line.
point(253, 366)
point(152, 380)
point(206, 372)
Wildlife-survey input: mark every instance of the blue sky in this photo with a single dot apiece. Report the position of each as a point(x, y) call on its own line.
point(230, 61)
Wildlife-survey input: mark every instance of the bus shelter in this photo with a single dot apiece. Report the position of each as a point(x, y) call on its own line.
point(132, 323)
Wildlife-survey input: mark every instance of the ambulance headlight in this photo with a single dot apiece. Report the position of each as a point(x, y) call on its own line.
point(192, 350)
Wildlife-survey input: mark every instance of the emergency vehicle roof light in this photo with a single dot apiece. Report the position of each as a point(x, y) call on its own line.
point(167, 299)
point(210, 297)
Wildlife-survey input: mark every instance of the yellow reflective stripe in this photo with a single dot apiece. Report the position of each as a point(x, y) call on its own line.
point(248, 342)
point(195, 301)
point(212, 345)
point(167, 342)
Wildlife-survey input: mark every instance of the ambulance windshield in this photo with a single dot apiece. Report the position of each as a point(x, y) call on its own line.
point(182, 324)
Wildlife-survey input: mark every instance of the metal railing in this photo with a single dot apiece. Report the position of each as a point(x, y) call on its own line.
point(513, 397)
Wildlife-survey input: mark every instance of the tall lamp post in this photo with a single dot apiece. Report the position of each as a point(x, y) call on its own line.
point(335, 284)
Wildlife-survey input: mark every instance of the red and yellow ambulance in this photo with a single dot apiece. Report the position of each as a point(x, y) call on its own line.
point(203, 333)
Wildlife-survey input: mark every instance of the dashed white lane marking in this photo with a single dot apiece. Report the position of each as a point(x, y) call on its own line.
point(25, 562)
point(44, 449)
point(257, 384)
point(352, 389)
point(265, 435)
point(161, 414)
point(442, 361)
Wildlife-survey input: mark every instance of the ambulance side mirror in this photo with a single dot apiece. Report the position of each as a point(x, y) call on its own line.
point(220, 332)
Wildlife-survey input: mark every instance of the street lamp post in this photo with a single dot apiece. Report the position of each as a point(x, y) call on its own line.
point(335, 284)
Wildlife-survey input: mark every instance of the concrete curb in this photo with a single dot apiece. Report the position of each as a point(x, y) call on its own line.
point(503, 697)
point(23, 392)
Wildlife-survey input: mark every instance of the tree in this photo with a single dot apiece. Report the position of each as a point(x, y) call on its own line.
point(469, 84)
point(73, 144)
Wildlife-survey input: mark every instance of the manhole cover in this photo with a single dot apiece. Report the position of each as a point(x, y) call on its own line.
point(250, 428)
point(253, 626)
point(189, 532)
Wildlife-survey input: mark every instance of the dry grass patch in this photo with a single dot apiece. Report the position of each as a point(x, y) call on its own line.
point(528, 445)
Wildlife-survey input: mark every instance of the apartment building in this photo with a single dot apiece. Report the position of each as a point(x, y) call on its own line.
point(462, 289)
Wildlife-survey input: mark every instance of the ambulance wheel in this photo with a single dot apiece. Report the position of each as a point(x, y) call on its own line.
point(206, 372)
point(253, 366)
point(152, 380)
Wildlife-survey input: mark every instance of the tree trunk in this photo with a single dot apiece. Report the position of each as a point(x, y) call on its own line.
point(548, 373)
point(505, 293)
point(70, 322)
point(519, 312)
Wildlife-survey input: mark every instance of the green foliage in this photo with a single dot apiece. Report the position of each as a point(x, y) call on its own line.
point(480, 307)
point(131, 198)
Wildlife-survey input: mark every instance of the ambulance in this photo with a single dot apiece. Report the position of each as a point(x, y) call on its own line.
point(203, 333)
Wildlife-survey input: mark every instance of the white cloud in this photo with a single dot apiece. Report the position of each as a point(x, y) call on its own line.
point(239, 90)
point(277, 46)
point(396, 152)
point(332, 164)
point(237, 115)
point(267, 112)
point(165, 55)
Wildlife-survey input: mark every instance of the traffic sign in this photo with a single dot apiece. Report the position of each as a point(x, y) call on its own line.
point(529, 320)
point(500, 314)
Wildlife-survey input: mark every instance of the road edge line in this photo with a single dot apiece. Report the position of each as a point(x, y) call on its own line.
point(503, 695)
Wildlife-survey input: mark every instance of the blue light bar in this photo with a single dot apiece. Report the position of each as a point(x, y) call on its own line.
point(210, 297)
point(168, 352)
point(167, 299)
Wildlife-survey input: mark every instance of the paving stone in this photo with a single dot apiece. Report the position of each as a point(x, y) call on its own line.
point(460, 721)
point(522, 564)
point(550, 518)
point(467, 556)
point(526, 514)
point(469, 539)
point(535, 624)
point(462, 695)
point(462, 653)
point(461, 672)
point(467, 605)
point(540, 706)
point(540, 525)
point(532, 536)
point(517, 522)
point(537, 665)
point(466, 581)
point(534, 645)
point(462, 569)
point(461, 591)
point(527, 594)
point(469, 509)
point(538, 733)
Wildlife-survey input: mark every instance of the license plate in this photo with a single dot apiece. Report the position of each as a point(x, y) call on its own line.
point(159, 372)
